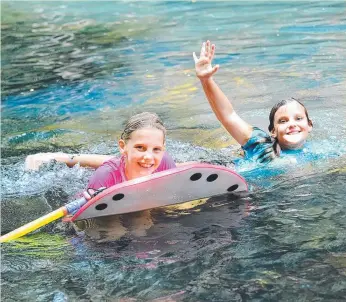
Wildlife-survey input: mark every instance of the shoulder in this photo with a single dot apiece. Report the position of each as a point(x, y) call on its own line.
point(111, 165)
point(113, 162)
point(258, 136)
point(259, 147)
point(108, 174)
point(167, 162)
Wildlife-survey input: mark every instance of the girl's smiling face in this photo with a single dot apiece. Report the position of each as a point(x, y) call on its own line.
point(291, 126)
point(143, 152)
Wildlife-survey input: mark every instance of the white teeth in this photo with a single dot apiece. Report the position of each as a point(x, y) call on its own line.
point(146, 165)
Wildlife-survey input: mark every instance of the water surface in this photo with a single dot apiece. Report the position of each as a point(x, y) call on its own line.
point(72, 72)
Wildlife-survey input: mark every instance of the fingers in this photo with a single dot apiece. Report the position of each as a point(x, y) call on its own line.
point(88, 193)
point(34, 161)
point(207, 49)
point(215, 69)
point(212, 52)
point(29, 163)
point(202, 50)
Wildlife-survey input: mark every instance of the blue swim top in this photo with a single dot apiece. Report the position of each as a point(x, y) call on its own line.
point(260, 149)
point(261, 164)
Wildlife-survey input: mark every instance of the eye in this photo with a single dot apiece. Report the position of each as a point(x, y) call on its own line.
point(282, 121)
point(299, 118)
point(140, 148)
point(157, 150)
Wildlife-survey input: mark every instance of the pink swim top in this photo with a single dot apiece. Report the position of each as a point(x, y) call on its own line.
point(112, 172)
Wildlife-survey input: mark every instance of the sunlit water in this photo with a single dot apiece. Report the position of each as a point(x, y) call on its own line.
point(72, 72)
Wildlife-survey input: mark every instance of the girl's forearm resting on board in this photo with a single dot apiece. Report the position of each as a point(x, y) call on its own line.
point(223, 109)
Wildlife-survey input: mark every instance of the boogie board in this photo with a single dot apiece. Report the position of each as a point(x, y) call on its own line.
point(178, 185)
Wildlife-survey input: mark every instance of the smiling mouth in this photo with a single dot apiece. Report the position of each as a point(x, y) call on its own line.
point(146, 166)
point(293, 132)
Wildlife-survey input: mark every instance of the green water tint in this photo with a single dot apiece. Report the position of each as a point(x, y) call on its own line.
point(22, 208)
point(11, 15)
point(40, 245)
point(278, 243)
point(78, 59)
point(262, 257)
point(82, 134)
point(106, 124)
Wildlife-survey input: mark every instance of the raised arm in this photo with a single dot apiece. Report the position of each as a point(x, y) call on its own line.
point(33, 162)
point(222, 107)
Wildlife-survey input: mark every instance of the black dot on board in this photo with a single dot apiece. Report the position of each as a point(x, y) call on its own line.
point(196, 176)
point(232, 188)
point(212, 177)
point(118, 196)
point(101, 206)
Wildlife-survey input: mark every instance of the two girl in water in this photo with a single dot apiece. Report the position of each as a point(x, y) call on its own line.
point(142, 143)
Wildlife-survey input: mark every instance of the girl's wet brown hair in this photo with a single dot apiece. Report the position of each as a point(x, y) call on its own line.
point(280, 104)
point(140, 121)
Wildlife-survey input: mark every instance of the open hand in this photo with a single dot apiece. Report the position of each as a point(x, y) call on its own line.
point(204, 69)
point(33, 162)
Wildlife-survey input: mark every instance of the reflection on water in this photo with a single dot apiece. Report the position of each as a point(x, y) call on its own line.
point(43, 46)
point(72, 72)
point(264, 245)
point(115, 226)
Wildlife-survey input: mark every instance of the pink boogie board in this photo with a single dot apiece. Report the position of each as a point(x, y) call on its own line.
point(178, 185)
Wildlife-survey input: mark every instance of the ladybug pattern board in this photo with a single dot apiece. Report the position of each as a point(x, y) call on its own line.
point(179, 185)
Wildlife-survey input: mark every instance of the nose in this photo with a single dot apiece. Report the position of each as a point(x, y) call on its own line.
point(292, 123)
point(148, 155)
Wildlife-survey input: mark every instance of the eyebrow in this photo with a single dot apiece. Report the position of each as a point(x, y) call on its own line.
point(281, 117)
point(287, 115)
point(144, 144)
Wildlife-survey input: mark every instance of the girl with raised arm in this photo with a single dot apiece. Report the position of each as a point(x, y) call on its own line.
point(289, 121)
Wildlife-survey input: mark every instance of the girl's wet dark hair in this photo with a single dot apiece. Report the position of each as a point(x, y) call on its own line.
point(275, 108)
point(280, 104)
point(140, 121)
